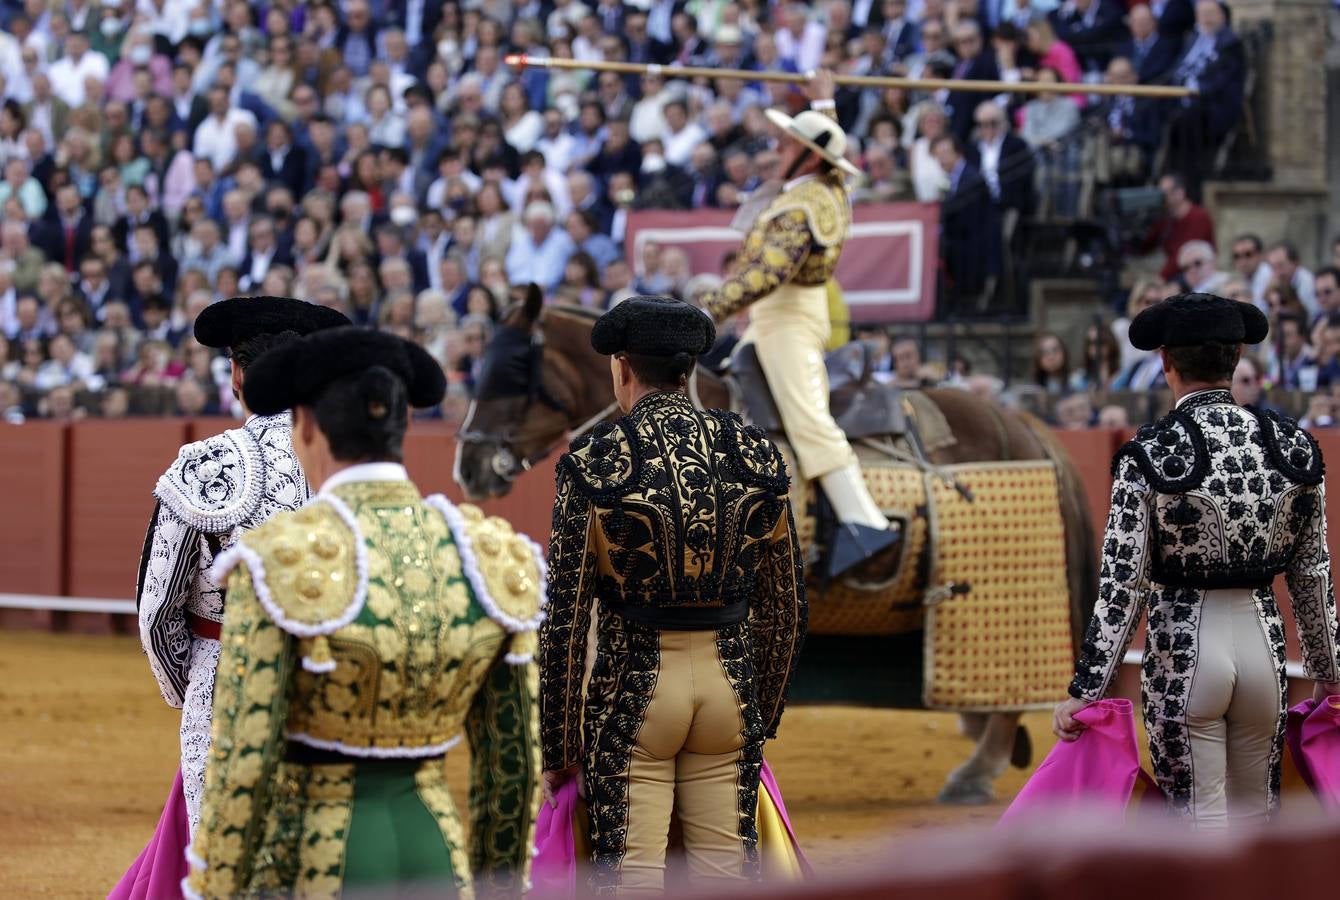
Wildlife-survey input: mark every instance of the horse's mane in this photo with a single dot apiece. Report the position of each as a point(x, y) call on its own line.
point(563, 309)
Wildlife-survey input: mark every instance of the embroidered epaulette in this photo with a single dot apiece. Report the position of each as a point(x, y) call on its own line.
point(1171, 454)
point(603, 463)
point(757, 458)
point(506, 570)
point(824, 205)
point(307, 568)
point(1291, 450)
point(215, 484)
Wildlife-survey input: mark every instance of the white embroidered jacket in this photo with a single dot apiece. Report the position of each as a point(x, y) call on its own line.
point(217, 487)
point(1214, 495)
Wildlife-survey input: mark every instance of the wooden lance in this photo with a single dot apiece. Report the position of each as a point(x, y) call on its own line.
point(864, 81)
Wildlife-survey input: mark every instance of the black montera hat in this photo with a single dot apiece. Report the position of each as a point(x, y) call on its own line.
point(654, 326)
point(296, 373)
point(1187, 320)
point(229, 323)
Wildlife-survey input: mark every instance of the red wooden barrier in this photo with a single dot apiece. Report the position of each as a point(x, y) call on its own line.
point(32, 530)
point(1092, 452)
point(112, 469)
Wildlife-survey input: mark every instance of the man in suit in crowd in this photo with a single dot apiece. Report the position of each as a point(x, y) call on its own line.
point(284, 161)
point(1004, 160)
point(970, 244)
point(1093, 28)
point(976, 62)
point(1151, 53)
point(1214, 65)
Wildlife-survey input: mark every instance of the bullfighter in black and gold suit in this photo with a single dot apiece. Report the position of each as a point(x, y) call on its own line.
point(674, 524)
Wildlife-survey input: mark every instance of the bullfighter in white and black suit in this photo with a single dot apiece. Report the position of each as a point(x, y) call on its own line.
point(1209, 505)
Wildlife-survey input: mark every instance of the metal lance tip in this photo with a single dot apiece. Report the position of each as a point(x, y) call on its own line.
point(514, 59)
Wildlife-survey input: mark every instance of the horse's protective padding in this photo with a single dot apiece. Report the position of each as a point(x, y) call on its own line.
point(1006, 643)
point(895, 607)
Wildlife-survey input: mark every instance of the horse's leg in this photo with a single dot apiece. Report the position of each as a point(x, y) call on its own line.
point(971, 725)
point(971, 783)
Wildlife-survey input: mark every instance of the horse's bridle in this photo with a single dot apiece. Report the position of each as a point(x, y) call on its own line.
point(506, 464)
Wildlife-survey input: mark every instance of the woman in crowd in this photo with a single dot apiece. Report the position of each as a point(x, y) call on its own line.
point(522, 126)
point(929, 181)
point(1051, 364)
point(1053, 53)
point(1102, 360)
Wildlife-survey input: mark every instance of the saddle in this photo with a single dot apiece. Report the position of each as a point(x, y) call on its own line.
point(861, 406)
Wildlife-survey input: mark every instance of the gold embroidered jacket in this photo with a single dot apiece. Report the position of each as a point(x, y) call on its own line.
point(370, 625)
point(798, 239)
point(677, 518)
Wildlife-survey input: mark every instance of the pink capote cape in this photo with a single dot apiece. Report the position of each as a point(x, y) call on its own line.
point(1097, 772)
point(1313, 736)
point(560, 841)
point(157, 873)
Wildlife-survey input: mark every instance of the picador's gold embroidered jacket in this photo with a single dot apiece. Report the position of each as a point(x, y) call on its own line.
point(370, 625)
point(797, 239)
point(674, 518)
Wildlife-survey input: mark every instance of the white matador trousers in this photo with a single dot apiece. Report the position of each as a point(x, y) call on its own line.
point(789, 329)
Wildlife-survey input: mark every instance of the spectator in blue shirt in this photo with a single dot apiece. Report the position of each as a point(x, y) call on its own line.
point(539, 250)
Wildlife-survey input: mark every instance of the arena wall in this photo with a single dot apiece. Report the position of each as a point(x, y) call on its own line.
point(77, 499)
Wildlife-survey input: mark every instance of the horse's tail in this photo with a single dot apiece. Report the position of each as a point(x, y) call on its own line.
point(1080, 551)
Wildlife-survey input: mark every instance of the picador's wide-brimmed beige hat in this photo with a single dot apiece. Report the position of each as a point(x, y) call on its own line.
point(817, 132)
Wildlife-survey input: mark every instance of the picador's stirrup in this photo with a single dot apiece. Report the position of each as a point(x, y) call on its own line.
point(853, 544)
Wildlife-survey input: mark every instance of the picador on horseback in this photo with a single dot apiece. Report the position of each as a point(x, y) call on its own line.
point(786, 262)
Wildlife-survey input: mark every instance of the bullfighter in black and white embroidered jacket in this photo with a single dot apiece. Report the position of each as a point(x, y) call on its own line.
point(215, 489)
point(1209, 505)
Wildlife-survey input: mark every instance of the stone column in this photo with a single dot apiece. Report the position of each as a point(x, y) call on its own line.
point(1291, 123)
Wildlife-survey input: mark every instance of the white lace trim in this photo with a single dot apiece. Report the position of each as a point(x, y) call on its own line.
point(316, 667)
point(193, 859)
point(251, 464)
point(376, 752)
point(240, 552)
point(187, 892)
point(519, 659)
point(470, 563)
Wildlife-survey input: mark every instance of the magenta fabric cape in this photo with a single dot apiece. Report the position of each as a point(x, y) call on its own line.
point(1096, 772)
point(1313, 736)
point(553, 871)
point(157, 873)
point(769, 784)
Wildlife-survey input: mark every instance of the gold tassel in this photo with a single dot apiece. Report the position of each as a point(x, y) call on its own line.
point(320, 651)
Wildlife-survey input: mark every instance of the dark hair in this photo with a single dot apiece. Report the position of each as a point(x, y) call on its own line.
point(1329, 270)
point(364, 416)
point(666, 373)
point(1210, 362)
point(247, 352)
point(1008, 31)
point(1254, 238)
point(1290, 251)
point(953, 141)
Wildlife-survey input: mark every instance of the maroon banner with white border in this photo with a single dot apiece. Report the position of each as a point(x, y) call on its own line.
point(887, 271)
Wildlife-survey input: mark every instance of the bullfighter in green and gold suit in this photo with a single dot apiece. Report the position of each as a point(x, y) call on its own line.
point(674, 527)
point(365, 636)
point(787, 259)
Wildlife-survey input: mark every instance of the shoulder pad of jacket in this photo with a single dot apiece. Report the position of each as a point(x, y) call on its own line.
point(309, 571)
point(757, 458)
point(215, 484)
point(1291, 450)
point(1171, 454)
point(603, 463)
point(824, 205)
point(506, 570)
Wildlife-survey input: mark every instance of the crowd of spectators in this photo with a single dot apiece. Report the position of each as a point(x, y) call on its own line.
point(377, 156)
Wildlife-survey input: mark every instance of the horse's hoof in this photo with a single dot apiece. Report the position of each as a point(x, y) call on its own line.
point(1021, 754)
point(969, 792)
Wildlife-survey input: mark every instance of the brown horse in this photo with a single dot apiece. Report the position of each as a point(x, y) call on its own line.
point(540, 379)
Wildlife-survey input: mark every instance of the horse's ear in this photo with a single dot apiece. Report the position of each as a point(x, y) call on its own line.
point(534, 303)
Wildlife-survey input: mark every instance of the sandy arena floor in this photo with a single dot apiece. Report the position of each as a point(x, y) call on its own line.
point(88, 749)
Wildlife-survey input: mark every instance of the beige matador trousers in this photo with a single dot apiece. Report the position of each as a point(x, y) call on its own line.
point(789, 329)
point(692, 758)
point(1233, 712)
